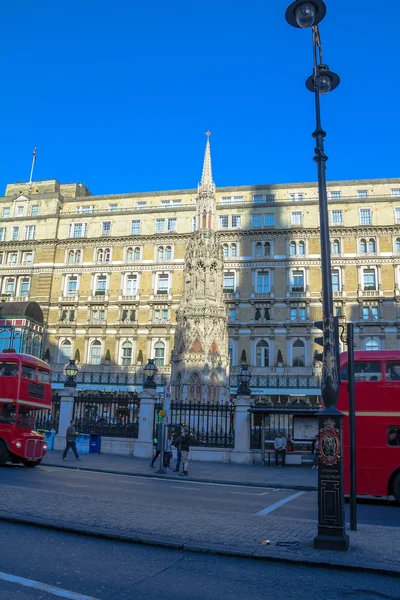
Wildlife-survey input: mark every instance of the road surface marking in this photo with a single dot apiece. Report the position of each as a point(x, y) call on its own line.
point(246, 494)
point(269, 509)
point(265, 493)
point(129, 481)
point(44, 587)
point(179, 487)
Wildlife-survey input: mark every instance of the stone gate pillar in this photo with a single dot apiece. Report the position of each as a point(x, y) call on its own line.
point(67, 397)
point(144, 445)
point(241, 454)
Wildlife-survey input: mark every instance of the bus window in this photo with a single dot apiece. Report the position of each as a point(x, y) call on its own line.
point(7, 413)
point(363, 371)
point(394, 436)
point(28, 372)
point(8, 369)
point(393, 371)
point(25, 417)
point(43, 376)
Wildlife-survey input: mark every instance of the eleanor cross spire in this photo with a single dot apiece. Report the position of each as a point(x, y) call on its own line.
point(206, 176)
point(206, 192)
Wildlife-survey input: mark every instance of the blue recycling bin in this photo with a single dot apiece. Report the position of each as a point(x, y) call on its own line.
point(95, 443)
point(83, 443)
point(49, 439)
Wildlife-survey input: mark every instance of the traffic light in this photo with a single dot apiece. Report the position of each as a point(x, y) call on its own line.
point(319, 341)
point(330, 341)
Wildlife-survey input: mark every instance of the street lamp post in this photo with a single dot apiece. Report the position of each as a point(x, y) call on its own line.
point(331, 525)
point(244, 380)
point(71, 370)
point(150, 372)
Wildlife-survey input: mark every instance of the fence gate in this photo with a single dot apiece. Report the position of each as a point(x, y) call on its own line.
point(49, 419)
point(112, 414)
point(209, 423)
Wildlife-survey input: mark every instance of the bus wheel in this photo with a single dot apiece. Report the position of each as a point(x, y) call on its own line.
point(4, 454)
point(30, 463)
point(396, 488)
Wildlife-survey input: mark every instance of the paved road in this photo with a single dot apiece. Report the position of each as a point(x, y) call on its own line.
point(168, 494)
point(114, 571)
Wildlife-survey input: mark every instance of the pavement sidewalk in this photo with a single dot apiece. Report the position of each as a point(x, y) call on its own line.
point(289, 477)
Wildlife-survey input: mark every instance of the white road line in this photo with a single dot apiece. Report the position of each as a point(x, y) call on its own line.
point(245, 494)
point(269, 509)
point(129, 481)
point(44, 587)
point(180, 487)
point(264, 493)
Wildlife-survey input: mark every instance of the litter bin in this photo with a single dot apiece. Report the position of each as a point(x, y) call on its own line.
point(49, 439)
point(95, 443)
point(82, 443)
point(42, 431)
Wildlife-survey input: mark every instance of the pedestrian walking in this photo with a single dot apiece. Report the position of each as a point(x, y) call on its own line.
point(184, 446)
point(70, 437)
point(176, 442)
point(280, 450)
point(157, 454)
point(315, 451)
point(168, 451)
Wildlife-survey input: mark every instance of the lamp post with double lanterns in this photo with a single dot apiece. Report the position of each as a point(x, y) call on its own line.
point(305, 14)
point(70, 371)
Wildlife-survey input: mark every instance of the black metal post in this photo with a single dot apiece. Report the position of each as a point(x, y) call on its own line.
point(352, 427)
point(331, 524)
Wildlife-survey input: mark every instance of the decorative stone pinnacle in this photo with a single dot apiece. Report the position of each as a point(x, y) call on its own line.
point(206, 177)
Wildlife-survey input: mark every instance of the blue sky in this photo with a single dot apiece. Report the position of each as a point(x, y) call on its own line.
point(118, 95)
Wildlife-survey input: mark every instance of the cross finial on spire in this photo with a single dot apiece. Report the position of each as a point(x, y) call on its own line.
point(208, 133)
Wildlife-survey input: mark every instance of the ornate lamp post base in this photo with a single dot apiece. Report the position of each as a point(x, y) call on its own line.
point(331, 524)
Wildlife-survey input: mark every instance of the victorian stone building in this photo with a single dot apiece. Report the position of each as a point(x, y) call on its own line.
point(194, 277)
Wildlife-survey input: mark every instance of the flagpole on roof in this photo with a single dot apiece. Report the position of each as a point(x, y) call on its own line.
point(33, 165)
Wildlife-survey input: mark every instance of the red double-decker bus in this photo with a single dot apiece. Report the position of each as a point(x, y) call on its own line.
point(25, 386)
point(377, 400)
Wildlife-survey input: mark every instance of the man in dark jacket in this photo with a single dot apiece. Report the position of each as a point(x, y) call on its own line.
point(70, 437)
point(184, 447)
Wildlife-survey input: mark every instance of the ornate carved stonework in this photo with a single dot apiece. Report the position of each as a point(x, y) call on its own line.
point(200, 360)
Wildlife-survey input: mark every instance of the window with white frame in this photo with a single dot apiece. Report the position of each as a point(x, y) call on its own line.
point(85, 210)
point(15, 233)
point(297, 248)
point(229, 282)
point(337, 217)
point(24, 287)
point(365, 216)
point(396, 192)
point(171, 224)
point(336, 247)
point(162, 283)
point(65, 351)
point(232, 313)
point(141, 204)
point(373, 344)
point(132, 254)
point(301, 248)
point(30, 232)
point(336, 195)
point(397, 215)
point(236, 221)
point(369, 279)
point(256, 220)
point(160, 224)
point(6, 212)
point(72, 285)
point(302, 313)
point(12, 258)
point(298, 281)
point(27, 258)
point(159, 354)
point(262, 354)
point(77, 230)
point(112, 207)
point(135, 227)
point(362, 194)
point(263, 249)
point(269, 220)
point(9, 288)
point(371, 246)
point(106, 228)
point(258, 199)
point(225, 249)
point(103, 255)
point(20, 211)
point(74, 256)
point(98, 315)
point(95, 352)
point(126, 354)
point(296, 218)
point(293, 313)
point(1, 258)
point(2, 234)
point(224, 222)
point(298, 354)
point(335, 281)
point(131, 284)
point(233, 250)
point(100, 285)
point(262, 282)
point(34, 210)
point(292, 248)
point(370, 313)
point(296, 197)
point(161, 315)
point(397, 244)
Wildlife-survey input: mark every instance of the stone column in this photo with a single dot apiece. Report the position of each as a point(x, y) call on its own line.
point(144, 445)
point(242, 453)
point(67, 397)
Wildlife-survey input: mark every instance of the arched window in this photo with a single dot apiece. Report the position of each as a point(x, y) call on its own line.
point(78, 256)
point(107, 255)
point(398, 245)
point(66, 350)
point(129, 255)
point(233, 250)
point(195, 388)
point(95, 353)
point(259, 249)
point(213, 390)
point(100, 255)
point(292, 248)
point(363, 246)
point(126, 354)
point(371, 246)
point(159, 354)
point(226, 250)
point(168, 253)
point(298, 354)
point(5, 339)
point(161, 253)
point(267, 249)
point(137, 254)
point(262, 354)
point(336, 247)
point(302, 248)
point(71, 257)
point(372, 344)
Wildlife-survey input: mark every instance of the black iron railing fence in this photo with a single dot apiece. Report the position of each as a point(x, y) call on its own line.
point(107, 413)
point(209, 424)
point(49, 419)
